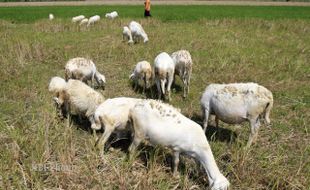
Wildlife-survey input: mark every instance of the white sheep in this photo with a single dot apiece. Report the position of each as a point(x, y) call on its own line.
point(112, 115)
point(84, 69)
point(142, 71)
point(164, 73)
point(183, 67)
point(57, 85)
point(161, 124)
point(111, 15)
point(84, 21)
point(51, 16)
point(137, 32)
point(78, 18)
point(127, 35)
point(77, 98)
point(93, 20)
point(237, 102)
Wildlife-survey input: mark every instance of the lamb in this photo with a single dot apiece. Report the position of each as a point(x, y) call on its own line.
point(237, 102)
point(79, 99)
point(137, 32)
point(93, 20)
point(51, 16)
point(183, 67)
point(78, 18)
point(113, 116)
point(84, 21)
point(164, 73)
point(127, 35)
point(161, 124)
point(142, 71)
point(111, 15)
point(84, 69)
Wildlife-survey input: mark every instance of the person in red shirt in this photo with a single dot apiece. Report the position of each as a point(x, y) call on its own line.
point(147, 8)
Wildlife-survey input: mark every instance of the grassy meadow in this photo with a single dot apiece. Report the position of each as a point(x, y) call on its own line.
point(40, 151)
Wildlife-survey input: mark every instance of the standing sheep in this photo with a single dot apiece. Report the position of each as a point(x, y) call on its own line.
point(84, 21)
point(127, 35)
point(137, 32)
point(111, 15)
point(164, 73)
point(79, 99)
point(84, 69)
point(161, 124)
point(112, 115)
point(237, 102)
point(183, 67)
point(51, 16)
point(93, 20)
point(142, 71)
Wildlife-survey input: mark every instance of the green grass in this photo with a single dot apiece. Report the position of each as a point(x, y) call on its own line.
point(162, 12)
point(274, 53)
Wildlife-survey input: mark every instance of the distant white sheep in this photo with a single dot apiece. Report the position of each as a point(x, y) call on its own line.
point(164, 73)
point(237, 102)
point(183, 67)
point(137, 32)
point(84, 69)
point(79, 99)
point(112, 115)
point(93, 20)
point(51, 16)
point(142, 71)
point(127, 35)
point(111, 15)
point(161, 124)
point(78, 18)
point(84, 21)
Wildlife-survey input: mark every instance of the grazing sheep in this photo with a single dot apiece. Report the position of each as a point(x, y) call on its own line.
point(164, 73)
point(84, 21)
point(137, 32)
point(127, 35)
point(112, 115)
point(161, 124)
point(56, 85)
point(93, 20)
point(183, 67)
point(78, 18)
point(111, 15)
point(84, 69)
point(79, 99)
point(51, 17)
point(142, 71)
point(237, 102)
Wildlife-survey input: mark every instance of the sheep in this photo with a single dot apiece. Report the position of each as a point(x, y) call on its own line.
point(78, 18)
point(164, 73)
point(237, 102)
point(84, 21)
point(127, 35)
point(142, 71)
point(51, 16)
point(84, 69)
point(111, 15)
point(79, 99)
point(93, 19)
point(56, 85)
point(137, 32)
point(112, 115)
point(162, 124)
point(183, 67)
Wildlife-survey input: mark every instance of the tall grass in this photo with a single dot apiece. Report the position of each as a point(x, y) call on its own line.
point(40, 151)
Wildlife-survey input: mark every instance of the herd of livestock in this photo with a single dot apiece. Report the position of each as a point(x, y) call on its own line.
point(153, 120)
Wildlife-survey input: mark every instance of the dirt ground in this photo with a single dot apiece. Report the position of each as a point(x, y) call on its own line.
point(154, 2)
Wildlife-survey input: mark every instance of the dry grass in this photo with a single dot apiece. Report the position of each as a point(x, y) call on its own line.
point(275, 54)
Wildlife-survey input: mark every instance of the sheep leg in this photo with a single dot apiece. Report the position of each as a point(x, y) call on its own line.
point(267, 113)
point(170, 80)
point(104, 138)
point(158, 89)
point(255, 124)
point(184, 87)
point(176, 160)
point(133, 147)
point(162, 86)
point(144, 79)
point(205, 113)
point(216, 121)
point(92, 122)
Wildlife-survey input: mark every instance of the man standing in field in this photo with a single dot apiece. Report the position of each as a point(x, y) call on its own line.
point(147, 8)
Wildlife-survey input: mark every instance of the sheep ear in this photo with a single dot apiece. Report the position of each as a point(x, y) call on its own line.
point(56, 100)
point(131, 76)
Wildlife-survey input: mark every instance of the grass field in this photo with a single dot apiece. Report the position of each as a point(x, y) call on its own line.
point(39, 151)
